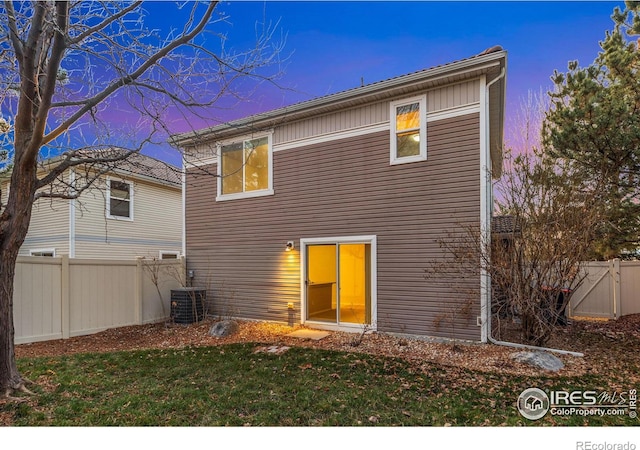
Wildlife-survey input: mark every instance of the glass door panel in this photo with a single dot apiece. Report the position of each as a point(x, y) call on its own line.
point(322, 300)
point(353, 285)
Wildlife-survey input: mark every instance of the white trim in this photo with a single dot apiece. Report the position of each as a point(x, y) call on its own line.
point(168, 252)
point(72, 216)
point(183, 235)
point(43, 250)
point(432, 116)
point(485, 209)
point(108, 208)
point(333, 136)
point(456, 111)
point(422, 130)
point(248, 194)
point(367, 239)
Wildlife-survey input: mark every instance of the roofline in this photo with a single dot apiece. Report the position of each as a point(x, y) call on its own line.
point(177, 184)
point(6, 175)
point(482, 61)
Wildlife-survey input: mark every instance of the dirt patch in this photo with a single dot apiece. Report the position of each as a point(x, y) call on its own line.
point(608, 346)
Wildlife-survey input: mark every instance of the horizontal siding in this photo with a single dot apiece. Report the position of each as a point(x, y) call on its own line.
point(343, 188)
point(439, 99)
point(49, 227)
point(157, 224)
point(446, 97)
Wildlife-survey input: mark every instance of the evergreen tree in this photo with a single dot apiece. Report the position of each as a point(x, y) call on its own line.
point(594, 123)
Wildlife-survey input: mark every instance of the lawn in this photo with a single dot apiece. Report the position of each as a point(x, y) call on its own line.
point(239, 385)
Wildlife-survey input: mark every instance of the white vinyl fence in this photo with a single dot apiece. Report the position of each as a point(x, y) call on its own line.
point(58, 298)
point(611, 290)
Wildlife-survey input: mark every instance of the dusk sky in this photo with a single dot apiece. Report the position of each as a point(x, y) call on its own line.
point(332, 46)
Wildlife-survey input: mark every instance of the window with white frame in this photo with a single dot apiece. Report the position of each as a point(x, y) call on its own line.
point(408, 130)
point(245, 169)
point(48, 252)
point(169, 255)
point(119, 199)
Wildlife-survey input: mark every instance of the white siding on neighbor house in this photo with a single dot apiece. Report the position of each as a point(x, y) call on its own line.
point(49, 228)
point(156, 224)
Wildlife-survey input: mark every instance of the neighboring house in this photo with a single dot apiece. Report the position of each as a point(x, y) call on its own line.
point(133, 210)
point(328, 212)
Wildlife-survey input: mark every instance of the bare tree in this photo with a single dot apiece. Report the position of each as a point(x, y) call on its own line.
point(65, 67)
point(546, 218)
point(538, 260)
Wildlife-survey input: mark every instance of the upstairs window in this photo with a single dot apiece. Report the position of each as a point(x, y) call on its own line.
point(245, 169)
point(408, 130)
point(119, 200)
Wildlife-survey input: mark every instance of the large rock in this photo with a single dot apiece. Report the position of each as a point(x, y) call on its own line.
point(543, 360)
point(223, 328)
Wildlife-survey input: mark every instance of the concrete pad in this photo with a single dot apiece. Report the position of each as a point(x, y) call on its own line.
point(316, 335)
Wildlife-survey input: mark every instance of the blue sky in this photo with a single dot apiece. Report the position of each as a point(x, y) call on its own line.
point(332, 46)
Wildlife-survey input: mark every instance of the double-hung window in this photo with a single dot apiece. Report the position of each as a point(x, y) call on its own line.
point(245, 169)
point(408, 130)
point(119, 199)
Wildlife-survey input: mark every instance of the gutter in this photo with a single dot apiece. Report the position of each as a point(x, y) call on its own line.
point(478, 62)
point(485, 239)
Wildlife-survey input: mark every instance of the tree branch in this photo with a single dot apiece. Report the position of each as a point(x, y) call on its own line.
point(13, 32)
point(130, 78)
point(56, 54)
point(102, 25)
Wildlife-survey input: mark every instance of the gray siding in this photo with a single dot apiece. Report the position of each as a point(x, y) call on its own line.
point(446, 97)
point(343, 188)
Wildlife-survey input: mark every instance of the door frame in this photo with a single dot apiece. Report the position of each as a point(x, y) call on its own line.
point(367, 239)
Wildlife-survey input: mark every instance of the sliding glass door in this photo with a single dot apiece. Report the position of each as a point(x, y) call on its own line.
point(338, 282)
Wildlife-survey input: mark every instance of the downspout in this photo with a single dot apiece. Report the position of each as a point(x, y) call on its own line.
point(485, 238)
point(184, 206)
point(72, 216)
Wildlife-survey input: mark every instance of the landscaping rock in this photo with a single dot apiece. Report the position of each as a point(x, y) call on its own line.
point(542, 360)
point(223, 328)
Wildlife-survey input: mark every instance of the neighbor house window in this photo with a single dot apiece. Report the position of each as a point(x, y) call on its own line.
point(245, 169)
point(169, 255)
point(49, 252)
point(119, 199)
point(408, 130)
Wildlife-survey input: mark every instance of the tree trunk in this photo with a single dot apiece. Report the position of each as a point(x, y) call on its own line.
point(10, 378)
point(14, 224)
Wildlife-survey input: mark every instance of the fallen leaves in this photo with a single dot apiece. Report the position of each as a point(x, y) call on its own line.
point(606, 345)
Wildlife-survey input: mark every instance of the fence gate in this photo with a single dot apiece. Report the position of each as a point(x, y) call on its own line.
point(599, 294)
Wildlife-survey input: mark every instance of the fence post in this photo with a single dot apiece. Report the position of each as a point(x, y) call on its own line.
point(65, 298)
point(615, 286)
point(139, 288)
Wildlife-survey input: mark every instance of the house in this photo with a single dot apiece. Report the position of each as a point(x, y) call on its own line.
point(327, 212)
point(134, 209)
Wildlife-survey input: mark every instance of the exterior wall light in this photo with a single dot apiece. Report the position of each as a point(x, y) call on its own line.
point(289, 246)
